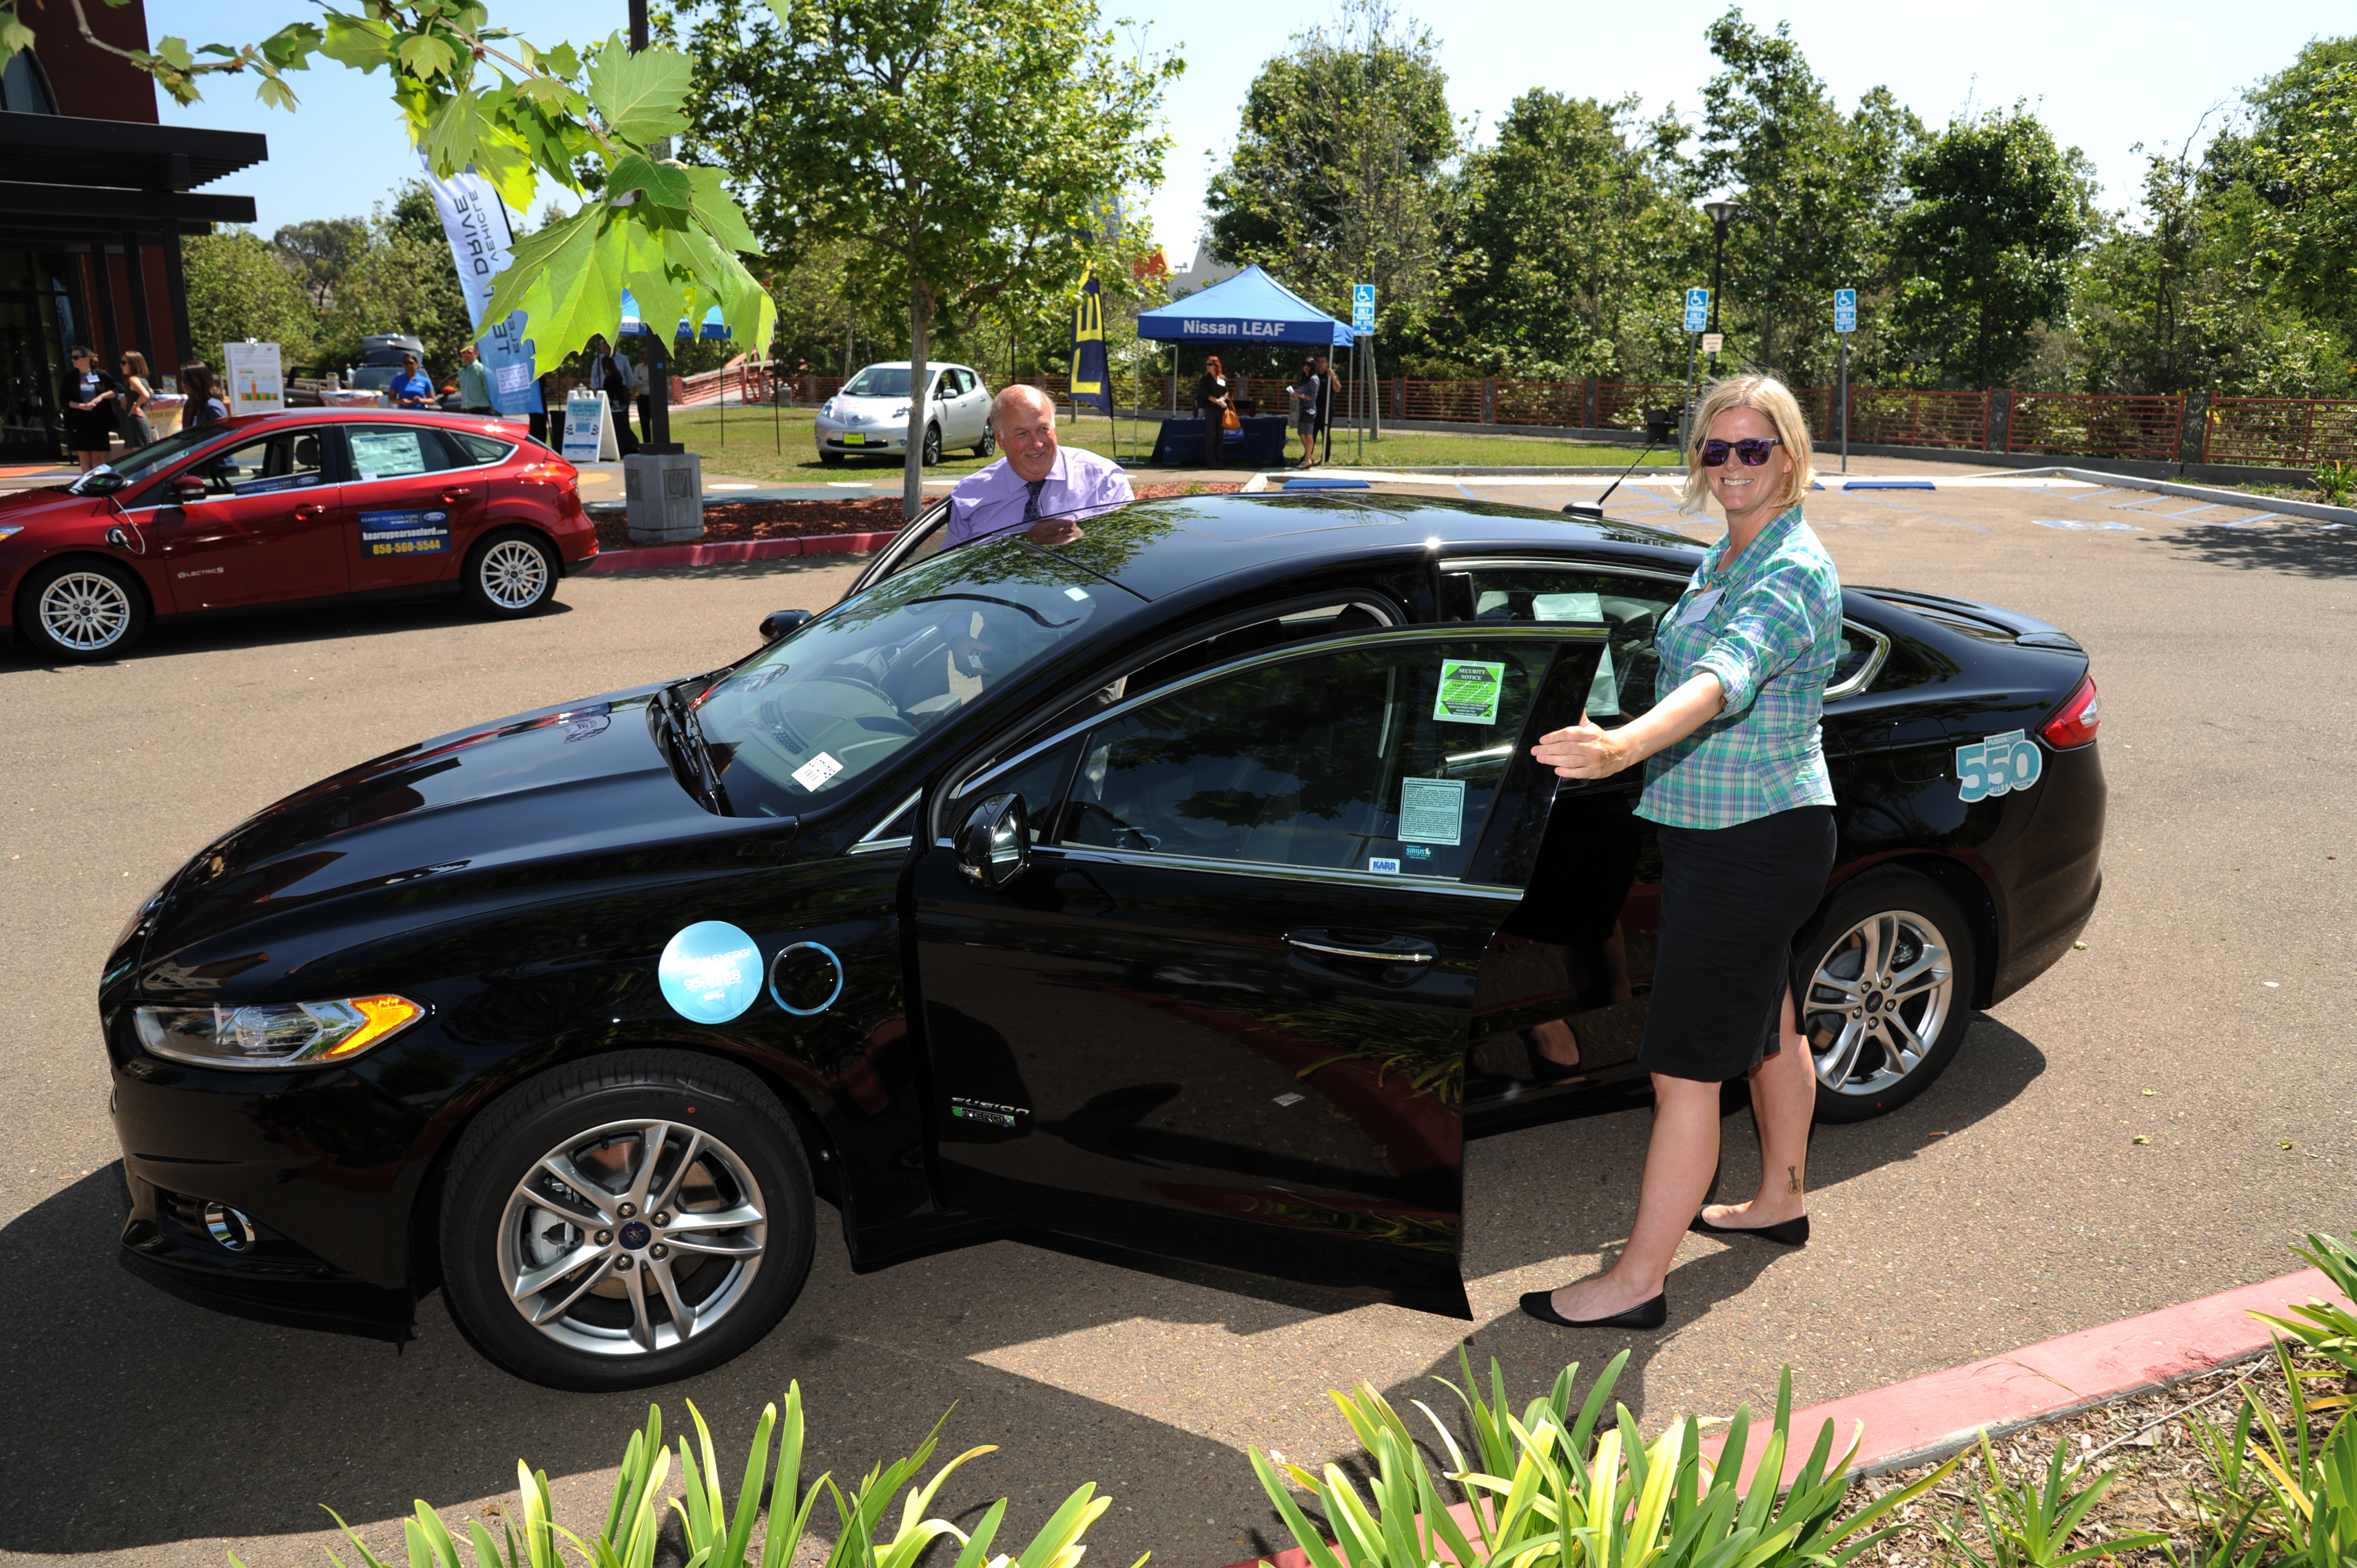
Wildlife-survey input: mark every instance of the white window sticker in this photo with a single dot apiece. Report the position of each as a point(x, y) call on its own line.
point(1382, 863)
point(816, 771)
point(1588, 608)
point(1080, 593)
point(387, 454)
point(1468, 692)
point(1432, 810)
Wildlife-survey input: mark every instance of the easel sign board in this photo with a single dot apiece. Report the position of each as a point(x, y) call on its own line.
point(257, 384)
point(589, 430)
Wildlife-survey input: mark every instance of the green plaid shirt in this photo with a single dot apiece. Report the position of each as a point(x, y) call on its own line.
point(1768, 626)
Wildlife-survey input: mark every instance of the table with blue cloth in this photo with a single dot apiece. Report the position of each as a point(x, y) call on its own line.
point(1259, 444)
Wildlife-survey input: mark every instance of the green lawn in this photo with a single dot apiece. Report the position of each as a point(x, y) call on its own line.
point(776, 444)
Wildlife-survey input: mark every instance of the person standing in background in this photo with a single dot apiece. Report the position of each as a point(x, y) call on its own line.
point(474, 382)
point(204, 405)
point(610, 373)
point(1211, 404)
point(546, 387)
point(412, 388)
point(1324, 395)
point(1303, 393)
point(136, 431)
point(94, 403)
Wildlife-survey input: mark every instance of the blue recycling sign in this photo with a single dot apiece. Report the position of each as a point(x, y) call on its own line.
point(1845, 310)
point(1363, 308)
point(1697, 310)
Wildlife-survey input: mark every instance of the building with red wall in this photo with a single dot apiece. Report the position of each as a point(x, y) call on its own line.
point(94, 202)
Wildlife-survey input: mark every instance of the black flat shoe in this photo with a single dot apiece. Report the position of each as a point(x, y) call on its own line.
point(1790, 1233)
point(1652, 1314)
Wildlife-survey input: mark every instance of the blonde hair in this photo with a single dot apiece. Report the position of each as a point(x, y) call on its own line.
point(1766, 395)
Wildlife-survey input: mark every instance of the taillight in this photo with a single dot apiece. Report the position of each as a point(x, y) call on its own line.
point(2075, 725)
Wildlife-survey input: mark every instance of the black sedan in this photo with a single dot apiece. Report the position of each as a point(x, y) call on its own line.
point(1158, 895)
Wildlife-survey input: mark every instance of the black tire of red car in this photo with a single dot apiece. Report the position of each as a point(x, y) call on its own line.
point(675, 1247)
point(932, 444)
point(500, 579)
point(1883, 979)
point(988, 443)
point(81, 610)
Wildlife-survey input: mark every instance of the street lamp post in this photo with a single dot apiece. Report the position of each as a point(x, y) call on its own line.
point(1720, 213)
point(658, 441)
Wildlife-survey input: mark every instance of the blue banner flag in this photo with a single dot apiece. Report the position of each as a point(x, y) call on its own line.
point(1090, 380)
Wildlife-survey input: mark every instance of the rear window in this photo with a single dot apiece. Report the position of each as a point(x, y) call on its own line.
point(478, 449)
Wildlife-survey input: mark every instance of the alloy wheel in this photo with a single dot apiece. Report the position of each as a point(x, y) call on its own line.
point(85, 611)
point(1879, 1001)
point(632, 1238)
point(513, 574)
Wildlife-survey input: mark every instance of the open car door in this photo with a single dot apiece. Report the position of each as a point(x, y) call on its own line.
point(1198, 972)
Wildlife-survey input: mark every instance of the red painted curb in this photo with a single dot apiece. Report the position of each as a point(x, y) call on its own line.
point(659, 557)
point(1928, 1418)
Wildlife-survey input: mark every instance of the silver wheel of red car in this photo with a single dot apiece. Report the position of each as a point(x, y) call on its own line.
point(510, 574)
point(83, 610)
point(1887, 998)
point(626, 1220)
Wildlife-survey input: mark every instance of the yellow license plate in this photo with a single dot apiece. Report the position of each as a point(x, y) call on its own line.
point(855, 441)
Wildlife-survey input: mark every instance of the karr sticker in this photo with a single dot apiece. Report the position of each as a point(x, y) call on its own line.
point(1383, 863)
point(1997, 766)
point(1468, 692)
point(1432, 810)
point(710, 973)
point(816, 771)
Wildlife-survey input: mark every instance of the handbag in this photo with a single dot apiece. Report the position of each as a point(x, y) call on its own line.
point(1228, 420)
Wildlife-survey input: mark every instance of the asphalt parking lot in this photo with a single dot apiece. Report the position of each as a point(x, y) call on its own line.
point(2010, 1203)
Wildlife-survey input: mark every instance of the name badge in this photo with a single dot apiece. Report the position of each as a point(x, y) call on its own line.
point(1697, 607)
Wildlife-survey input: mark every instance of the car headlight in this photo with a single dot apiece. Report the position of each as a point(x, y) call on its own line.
point(276, 1034)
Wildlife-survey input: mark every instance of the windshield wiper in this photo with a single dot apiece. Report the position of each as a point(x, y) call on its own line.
point(684, 731)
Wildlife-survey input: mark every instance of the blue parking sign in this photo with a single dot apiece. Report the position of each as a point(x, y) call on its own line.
point(1363, 308)
point(1845, 310)
point(1698, 309)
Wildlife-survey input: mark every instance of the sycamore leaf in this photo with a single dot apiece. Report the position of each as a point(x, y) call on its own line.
point(562, 62)
point(424, 54)
point(723, 280)
point(567, 280)
point(449, 141)
point(174, 51)
point(274, 93)
point(717, 212)
point(501, 158)
point(551, 93)
point(664, 184)
point(354, 41)
point(13, 36)
point(647, 273)
point(640, 95)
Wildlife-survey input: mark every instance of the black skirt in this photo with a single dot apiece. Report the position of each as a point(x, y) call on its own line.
point(1732, 900)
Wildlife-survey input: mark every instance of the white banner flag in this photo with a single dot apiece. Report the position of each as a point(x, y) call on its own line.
point(476, 223)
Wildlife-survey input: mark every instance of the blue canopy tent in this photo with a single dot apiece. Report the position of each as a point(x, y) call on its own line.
point(1251, 307)
point(657, 413)
point(713, 328)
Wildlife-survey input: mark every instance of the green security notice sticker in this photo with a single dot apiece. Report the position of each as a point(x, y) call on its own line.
point(1468, 692)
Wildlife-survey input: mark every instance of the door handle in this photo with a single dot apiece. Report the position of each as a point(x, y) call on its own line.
point(1365, 947)
point(312, 513)
point(457, 493)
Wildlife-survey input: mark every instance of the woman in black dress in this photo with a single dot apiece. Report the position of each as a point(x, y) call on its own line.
point(1212, 404)
point(93, 404)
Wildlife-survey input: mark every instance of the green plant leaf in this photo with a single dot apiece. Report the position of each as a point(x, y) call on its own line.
point(449, 139)
point(717, 212)
point(424, 55)
point(355, 41)
point(639, 96)
point(664, 184)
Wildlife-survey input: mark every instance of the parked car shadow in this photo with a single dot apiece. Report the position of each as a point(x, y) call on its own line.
point(2299, 549)
point(293, 626)
point(143, 1419)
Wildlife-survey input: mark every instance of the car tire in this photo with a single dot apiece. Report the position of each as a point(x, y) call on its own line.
point(932, 444)
point(1883, 980)
point(613, 1320)
point(79, 610)
point(512, 574)
point(988, 445)
point(831, 459)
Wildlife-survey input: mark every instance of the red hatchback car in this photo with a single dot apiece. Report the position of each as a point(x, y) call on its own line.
point(274, 507)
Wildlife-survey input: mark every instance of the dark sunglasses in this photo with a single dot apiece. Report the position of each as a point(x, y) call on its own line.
point(1753, 452)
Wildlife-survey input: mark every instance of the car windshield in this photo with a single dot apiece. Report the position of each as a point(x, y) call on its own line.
point(807, 719)
point(880, 380)
point(374, 378)
point(136, 468)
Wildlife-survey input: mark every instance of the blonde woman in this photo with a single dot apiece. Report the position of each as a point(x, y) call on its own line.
point(1736, 781)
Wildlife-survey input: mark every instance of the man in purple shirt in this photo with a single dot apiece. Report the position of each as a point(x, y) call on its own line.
point(1037, 482)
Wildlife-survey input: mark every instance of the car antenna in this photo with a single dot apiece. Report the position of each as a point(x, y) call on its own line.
point(1659, 421)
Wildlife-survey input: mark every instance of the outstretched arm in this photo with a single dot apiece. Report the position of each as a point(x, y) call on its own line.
point(1585, 751)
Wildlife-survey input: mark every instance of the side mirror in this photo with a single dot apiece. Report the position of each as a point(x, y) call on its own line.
point(187, 489)
point(783, 623)
point(993, 847)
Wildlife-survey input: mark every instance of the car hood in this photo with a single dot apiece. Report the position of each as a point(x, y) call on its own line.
point(449, 814)
point(866, 406)
point(50, 503)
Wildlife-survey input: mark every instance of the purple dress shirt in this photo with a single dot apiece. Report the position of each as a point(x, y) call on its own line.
point(998, 498)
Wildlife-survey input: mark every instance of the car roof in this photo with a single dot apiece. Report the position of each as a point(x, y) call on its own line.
point(484, 423)
point(906, 364)
point(1173, 547)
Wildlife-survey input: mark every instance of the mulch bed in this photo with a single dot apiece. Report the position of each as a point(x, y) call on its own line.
point(726, 521)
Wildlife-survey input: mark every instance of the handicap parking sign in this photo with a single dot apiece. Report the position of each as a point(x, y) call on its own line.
point(1845, 310)
point(1698, 309)
point(1363, 308)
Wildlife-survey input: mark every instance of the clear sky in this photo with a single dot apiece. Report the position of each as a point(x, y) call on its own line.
point(2105, 75)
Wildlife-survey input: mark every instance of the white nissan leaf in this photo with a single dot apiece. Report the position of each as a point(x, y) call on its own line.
point(870, 415)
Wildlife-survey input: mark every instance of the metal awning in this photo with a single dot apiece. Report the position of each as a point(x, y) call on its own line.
point(125, 154)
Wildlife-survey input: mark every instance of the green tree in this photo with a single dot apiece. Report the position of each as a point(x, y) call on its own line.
point(1820, 192)
point(1342, 170)
point(240, 287)
point(1988, 246)
point(2297, 214)
point(319, 250)
point(964, 145)
point(1573, 244)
